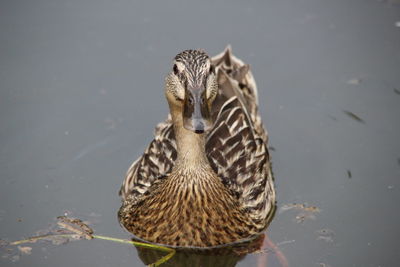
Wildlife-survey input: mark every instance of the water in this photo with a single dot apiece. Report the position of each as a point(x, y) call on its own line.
point(81, 91)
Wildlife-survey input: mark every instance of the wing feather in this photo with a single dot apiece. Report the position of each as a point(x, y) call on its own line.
point(156, 162)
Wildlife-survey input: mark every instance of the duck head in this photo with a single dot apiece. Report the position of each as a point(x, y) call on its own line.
point(191, 88)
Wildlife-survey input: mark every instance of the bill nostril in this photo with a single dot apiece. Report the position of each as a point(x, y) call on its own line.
point(198, 127)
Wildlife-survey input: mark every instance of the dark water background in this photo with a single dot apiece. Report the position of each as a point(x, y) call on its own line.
point(81, 89)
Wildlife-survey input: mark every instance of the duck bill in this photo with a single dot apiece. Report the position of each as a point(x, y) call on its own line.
point(196, 113)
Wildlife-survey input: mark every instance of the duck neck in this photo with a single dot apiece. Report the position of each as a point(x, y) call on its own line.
point(190, 145)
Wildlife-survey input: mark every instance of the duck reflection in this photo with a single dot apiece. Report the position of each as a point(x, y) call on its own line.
point(227, 256)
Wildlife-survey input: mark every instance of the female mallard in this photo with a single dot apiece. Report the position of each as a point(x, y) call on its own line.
point(205, 180)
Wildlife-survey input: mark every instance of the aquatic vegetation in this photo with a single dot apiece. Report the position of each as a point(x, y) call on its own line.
point(75, 229)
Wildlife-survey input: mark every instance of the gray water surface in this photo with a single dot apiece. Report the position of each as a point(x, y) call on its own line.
point(81, 90)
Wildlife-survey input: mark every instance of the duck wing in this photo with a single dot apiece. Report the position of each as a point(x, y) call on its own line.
point(237, 146)
point(155, 163)
point(240, 158)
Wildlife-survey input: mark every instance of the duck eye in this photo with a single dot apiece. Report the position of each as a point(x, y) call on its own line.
point(175, 68)
point(212, 69)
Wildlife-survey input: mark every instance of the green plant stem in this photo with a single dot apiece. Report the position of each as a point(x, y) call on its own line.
point(171, 251)
point(40, 237)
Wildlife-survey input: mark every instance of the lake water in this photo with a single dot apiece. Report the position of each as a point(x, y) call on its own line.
point(81, 90)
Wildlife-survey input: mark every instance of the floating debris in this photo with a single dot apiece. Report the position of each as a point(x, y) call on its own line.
point(74, 229)
point(325, 235)
point(397, 24)
point(298, 206)
point(60, 240)
point(15, 258)
point(272, 148)
point(349, 175)
point(307, 212)
point(354, 81)
point(398, 161)
point(3, 243)
point(76, 226)
point(301, 217)
point(71, 229)
point(25, 250)
point(49, 232)
point(353, 116)
point(397, 91)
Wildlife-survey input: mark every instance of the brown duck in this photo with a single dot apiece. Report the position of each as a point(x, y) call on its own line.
point(205, 180)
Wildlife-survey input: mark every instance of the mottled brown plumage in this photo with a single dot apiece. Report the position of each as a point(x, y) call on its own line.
point(201, 184)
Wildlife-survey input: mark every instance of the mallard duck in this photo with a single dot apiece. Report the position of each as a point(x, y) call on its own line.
point(205, 180)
